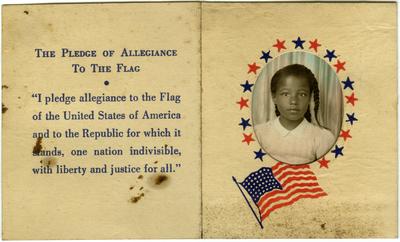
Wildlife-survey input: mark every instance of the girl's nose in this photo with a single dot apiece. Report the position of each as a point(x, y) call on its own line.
point(293, 100)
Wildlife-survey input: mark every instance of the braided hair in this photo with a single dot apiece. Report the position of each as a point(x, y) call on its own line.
point(303, 72)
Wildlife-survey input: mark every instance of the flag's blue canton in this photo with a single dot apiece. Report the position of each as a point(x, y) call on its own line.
point(260, 182)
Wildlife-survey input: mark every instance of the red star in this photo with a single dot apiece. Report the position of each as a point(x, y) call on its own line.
point(253, 68)
point(351, 99)
point(314, 45)
point(279, 45)
point(248, 138)
point(345, 134)
point(243, 103)
point(339, 66)
point(323, 163)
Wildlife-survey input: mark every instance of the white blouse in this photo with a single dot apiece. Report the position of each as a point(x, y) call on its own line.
point(304, 144)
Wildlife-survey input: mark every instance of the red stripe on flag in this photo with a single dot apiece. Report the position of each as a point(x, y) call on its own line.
point(288, 196)
point(276, 165)
point(293, 200)
point(285, 174)
point(298, 178)
point(278, 171)
point(274, 192)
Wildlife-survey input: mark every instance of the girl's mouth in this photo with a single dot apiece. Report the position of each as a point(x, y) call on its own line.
point(293, 110)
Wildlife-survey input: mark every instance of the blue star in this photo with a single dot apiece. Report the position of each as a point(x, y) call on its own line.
point(247, 86)
point(299, 43)
point(351, 118)
point(245, 123)
point(338, 151)
point(348, 84)
point(259, 154)
point(330, 55)
point(266, 56)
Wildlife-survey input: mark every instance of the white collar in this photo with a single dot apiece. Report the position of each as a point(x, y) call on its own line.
point(284, 132)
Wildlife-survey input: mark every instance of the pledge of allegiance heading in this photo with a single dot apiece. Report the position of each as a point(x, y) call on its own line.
point(65, 52)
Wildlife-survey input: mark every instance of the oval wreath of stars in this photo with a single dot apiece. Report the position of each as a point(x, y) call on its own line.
point(331, 57)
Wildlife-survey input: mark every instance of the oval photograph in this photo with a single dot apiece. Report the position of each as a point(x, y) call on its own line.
point(297, 108)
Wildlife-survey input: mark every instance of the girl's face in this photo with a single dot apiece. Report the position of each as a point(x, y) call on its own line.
point(292, 98)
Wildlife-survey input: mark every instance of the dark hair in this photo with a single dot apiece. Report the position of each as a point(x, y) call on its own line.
point(298, 71)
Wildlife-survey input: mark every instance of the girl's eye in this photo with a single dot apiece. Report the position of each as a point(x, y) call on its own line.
point(303, 94)
point(285, 94)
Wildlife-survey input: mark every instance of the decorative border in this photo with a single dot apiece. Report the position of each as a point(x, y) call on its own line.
point(350, 99)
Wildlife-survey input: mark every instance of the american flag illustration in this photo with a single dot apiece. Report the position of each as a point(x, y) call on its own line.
point(279, 186)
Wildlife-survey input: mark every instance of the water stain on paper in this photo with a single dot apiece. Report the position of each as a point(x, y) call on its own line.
point(38, 146)
point(50, 27)
point(26, 12)
point(49, 161)
point(304, 219)
point(159, 181)
point(4, 108)
point(4, 87)
point(136, 199)
point(136, 190)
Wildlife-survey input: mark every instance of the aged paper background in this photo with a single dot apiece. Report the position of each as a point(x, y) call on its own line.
point(99, 207)
point(361, 185)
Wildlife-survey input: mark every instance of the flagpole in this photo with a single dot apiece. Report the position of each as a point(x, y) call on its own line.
point(234, 179)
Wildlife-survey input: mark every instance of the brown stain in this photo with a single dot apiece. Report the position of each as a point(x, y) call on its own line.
point(131, 187)
point(140, 177)
point(136, 199)
point(340, 233)
point(300, 220)
point(160, 179)
point(38, 146)
point(26, 12)
point(4, 87)
point(141, 188)
point(50, 27)
point(323, 226)
point(19, 97)
point(4, 108)
point(187, 41)
point(155, 162)
point(49, 161)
